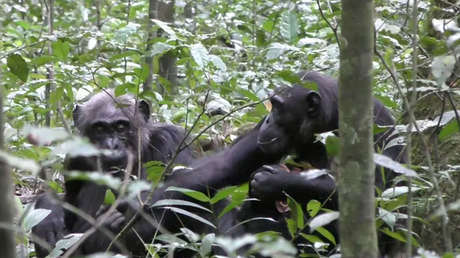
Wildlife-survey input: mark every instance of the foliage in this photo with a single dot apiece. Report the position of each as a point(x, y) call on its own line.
point(229, 54)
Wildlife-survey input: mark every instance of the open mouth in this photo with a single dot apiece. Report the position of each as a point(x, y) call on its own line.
point(272, 140)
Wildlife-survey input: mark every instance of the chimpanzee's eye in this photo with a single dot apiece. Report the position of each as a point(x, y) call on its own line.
point(122, 126)
point(99, 128)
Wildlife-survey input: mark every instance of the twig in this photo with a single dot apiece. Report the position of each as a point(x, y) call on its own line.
point(333, 28)
point(101, 219)
point(412, 121)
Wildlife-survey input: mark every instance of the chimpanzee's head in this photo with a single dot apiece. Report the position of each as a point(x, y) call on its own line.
point(297, 114)
point(113, 124)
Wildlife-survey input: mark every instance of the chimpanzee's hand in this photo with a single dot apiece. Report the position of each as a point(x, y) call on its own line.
point(52, 228)
point(268, 183)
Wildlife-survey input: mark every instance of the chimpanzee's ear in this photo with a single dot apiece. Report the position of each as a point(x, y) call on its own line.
point(144, 109)
point(277, 102)
point(76, 114)
point(313, 104)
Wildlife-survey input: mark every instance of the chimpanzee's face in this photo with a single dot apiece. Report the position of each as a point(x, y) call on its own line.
point(111, 124)
point(291, 120)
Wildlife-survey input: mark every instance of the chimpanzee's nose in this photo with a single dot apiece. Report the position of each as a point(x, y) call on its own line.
point(113, 144)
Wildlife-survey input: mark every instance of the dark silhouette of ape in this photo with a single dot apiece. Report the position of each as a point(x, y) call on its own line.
point(297, 115)
point(116, 125)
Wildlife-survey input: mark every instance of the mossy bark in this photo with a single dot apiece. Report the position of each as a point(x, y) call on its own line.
point(356, 167)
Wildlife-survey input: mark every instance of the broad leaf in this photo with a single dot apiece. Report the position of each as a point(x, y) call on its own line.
point(109, 198)
point(18, 66)
point(173, 202)
point(199, 54)
point(448, 130)
point(190, 215)
point(34, 217)
point(325, 233)
point(289, 26)
point(192, 193)
point(397, 191)
point(313, 207)
point(61, 49)
point(442, 68)
point(323, 219)
point(64, 244)
point(20, 163)
point(397, 167)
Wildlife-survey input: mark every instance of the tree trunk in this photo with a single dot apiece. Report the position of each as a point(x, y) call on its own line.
point(7, 237)
point(356, 166)
point(49, 86)
point(168, 70)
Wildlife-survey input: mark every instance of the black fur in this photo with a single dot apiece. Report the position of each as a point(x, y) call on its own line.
point(115, 124)
point(297, 115)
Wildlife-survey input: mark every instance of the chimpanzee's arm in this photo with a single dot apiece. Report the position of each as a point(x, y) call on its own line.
point(271, 182)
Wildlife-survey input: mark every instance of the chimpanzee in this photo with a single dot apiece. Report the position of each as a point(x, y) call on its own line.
point(105, 123)
point(116, 125)
point(297, 115)
point(231, 166)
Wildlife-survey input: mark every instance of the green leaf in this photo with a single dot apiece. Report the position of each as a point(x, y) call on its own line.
point(20, 163)
point(237, 198)
point(18, 66)
point(34, 217)
point(268, 25)
point(313, 207)
point(395, 235)
point(325, 233)
point(388, 56)
point(77, 146)
point(277, 49)
point(397, 191)
point(289, 26)
point(154, 170)
point(223, 193)
point(166, 28)
point(160, 48)
point(96, 177)
point(248, 94)
point(56, 95)
point(109, 198)
point(41, 60)
point(397, 167)
point(310, 85)
point(388, 217)
point(173, 202)
point(289, 76)
point(200, 54)
point(217, 62)
point(135, 187)
point(296, 213)
point(260, 38)
point(123, 55)
point(61, 49)
point(192, 193)
point(206, 244)
point(189, 214)
point(442, 68)
point(312, 238)
point(45, 136)
point(64, 244)
point(448, 130)
point(292, 226)
point(323, 219)
point(333, 146)
point(172, 239)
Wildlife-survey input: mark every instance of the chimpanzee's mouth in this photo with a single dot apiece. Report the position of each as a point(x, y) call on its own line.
point(116, 172)
point(270, 141)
